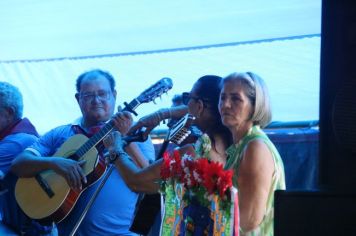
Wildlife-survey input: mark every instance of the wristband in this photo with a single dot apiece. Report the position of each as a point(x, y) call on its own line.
point(115, 154)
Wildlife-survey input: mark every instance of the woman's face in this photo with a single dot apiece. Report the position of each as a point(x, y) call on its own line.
point(234, 106)
point(194, 101)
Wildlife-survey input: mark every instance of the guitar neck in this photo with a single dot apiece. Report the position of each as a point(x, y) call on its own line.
point(108, 127)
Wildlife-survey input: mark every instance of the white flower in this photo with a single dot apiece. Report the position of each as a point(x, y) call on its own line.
point(197, 177)
point(208, 196)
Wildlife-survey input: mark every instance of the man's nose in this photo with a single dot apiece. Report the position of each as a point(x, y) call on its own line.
point(96, 99)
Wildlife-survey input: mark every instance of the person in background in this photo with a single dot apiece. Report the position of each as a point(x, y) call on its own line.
point(112, 211)
point(149, 203)
point(202, 103)
point(16, 133)
point(258, 169)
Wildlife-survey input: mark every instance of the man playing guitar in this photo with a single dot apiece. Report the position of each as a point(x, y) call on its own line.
point(113, 208)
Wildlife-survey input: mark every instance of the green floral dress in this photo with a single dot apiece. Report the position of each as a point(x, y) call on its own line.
point(202, 146)
point(235, 155)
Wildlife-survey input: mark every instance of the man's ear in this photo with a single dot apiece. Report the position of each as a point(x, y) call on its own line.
point(77, 97)
point(114, 93)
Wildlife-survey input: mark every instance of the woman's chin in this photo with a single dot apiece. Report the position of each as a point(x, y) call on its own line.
point(227, 122)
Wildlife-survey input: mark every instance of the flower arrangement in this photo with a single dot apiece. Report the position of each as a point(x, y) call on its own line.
point(200, 177)
point(199, 197)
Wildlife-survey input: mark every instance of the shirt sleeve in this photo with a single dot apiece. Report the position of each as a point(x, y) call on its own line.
point(11, 146)
point(48, 144)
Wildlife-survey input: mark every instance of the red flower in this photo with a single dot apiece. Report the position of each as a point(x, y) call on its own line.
point(165, 167)
point(225, 182)
point(177, 169)
point(197, 175)
point(211, 176)
point(202, 165)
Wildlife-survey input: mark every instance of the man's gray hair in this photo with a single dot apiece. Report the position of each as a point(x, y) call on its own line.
point(11, 97)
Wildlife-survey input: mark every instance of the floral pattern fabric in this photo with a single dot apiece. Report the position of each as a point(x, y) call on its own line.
point(202, 146)
point(187, 217)
point(199, 197)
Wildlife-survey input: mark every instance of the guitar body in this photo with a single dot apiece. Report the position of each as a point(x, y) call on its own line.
point(38, 204)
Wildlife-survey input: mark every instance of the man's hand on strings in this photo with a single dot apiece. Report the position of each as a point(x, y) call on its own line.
point(122, 122)
point(71, 170)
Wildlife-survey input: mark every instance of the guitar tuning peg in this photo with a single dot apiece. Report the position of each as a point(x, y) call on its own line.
point(154, 101)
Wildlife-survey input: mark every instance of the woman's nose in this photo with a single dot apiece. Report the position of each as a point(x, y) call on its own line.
point(225, 103)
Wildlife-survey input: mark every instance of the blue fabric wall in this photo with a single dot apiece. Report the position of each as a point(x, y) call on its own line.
point(299, 149)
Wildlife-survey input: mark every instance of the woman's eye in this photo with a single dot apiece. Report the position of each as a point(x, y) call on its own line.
point(236, 99)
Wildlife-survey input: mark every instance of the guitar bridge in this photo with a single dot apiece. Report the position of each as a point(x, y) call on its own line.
point(44, 185)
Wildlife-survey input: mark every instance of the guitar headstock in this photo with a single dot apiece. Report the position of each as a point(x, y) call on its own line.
point(180, 130)
point(156, 90)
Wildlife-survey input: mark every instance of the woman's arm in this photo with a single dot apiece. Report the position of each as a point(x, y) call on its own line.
point(139, 180)
point(152, 120)
point(254, 182)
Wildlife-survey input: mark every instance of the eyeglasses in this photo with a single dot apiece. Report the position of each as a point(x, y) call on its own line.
point(102, 95)
point(187, 96)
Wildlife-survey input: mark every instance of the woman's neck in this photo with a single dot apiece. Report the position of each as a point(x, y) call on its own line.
point(218, 152)
point(238, 132)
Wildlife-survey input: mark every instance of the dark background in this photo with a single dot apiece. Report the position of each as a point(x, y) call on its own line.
point(331, 209)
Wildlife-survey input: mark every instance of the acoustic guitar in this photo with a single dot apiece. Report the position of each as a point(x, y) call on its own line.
point(47, 197)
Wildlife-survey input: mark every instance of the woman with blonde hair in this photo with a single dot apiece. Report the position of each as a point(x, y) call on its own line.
point(258, 169)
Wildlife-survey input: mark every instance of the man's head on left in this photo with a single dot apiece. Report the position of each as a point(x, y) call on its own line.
point(11, 104)
point(96, 96)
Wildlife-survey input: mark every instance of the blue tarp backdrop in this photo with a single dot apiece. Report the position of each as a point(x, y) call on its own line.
point(299, 149)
